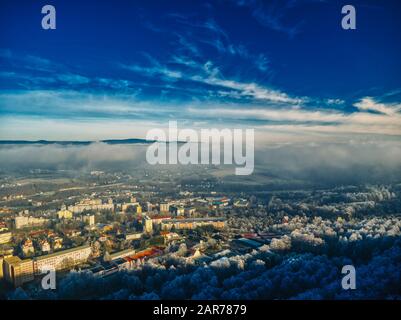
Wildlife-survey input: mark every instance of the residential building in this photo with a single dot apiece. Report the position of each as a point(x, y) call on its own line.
point(17, 271)
point(91, 204)
point(192, 223)
point(44, 246)
point(156, 220)
point(5, 237)
point(190, 211)
point(27, 247)
point(62, 259)
point(147, 224)
point(149, 207)
point(177, 210)
point(89, 219)
point(57, 243)
point(164, 207)
point(126, 206)
point(133, 236)
point(28, 221)
point(64, 214)
point(122, 254)
point(1, 267)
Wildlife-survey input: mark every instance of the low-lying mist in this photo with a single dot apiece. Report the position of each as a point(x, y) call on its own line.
point(323, 163)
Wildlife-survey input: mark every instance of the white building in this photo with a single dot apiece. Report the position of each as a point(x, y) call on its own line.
point(89, 219)
point(88, 204)
point(5, 237)
point(24, 221)
point(63, 259)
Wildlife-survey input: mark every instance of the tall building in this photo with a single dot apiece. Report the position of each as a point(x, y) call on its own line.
point(1, 267)
point(149, 206)
point(147, 224)
point(89, 219)
point(164, 207)
point(17, 271)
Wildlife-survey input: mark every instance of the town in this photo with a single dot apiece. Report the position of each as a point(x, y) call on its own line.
point(137, 234)
point(114, 227)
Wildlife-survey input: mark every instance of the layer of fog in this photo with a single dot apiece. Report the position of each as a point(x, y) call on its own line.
point(70, 157)
point(316, 163)
point(333, 163)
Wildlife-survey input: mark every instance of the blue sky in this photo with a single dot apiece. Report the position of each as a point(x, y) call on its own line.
point(115, 69)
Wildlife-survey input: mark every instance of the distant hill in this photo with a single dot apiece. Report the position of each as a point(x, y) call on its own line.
point(47, 142)
point(80, 143)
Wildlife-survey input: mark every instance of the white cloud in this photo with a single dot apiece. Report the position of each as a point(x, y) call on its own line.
point(211, 75)
point(335, 101)
point(369, 104)
point(249, 89)
point(154, 71)
point(38, 128)
point(296, 115)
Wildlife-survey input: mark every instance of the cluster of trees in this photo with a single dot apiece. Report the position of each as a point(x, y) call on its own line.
point(346, 202)
point(355, 238)
point(260, 274)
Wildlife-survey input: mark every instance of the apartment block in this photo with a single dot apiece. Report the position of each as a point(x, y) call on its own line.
point(62, 260)
point(17, 271)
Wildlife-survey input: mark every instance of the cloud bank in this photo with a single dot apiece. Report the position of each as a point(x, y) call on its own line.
point(313, 163)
